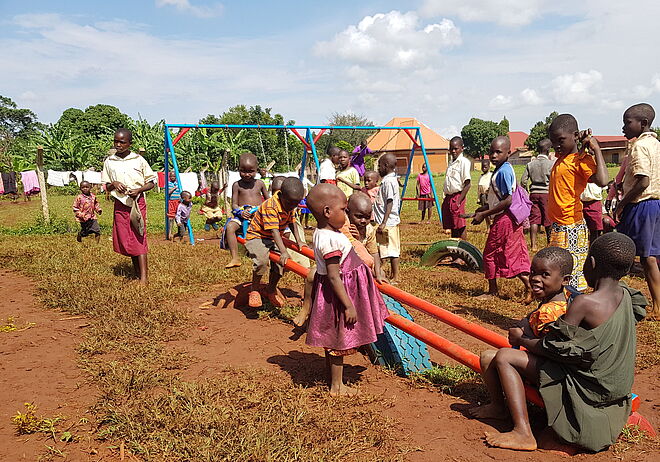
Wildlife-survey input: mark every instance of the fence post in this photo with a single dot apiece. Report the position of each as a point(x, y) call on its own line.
point(42, 183)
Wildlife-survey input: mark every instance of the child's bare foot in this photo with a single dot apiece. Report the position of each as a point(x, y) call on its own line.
point(489, 411)
point(512, 440)
point(233, 264)
point(343, 391)
point(276, 298)
point(487, 296)
point(301, 317)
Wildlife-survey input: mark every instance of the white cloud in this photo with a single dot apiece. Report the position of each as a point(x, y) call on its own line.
point(204, 11)
point(531, 97)
point(450, 131)
point(500, 102)
point(577, 88)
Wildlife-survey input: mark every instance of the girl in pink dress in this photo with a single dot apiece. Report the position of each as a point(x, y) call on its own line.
point(347, 308)
point(424, 192)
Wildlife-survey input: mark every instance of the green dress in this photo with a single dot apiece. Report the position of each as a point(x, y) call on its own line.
point(587, 376)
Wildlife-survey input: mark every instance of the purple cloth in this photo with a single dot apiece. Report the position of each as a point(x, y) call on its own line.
point(327, 326)
point(357, 160)
point(183, 213)
point(30, 182)
point(641, 223)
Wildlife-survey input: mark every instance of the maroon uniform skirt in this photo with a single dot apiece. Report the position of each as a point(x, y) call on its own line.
point(126, 240)
point(452, 209)
point(593, 215)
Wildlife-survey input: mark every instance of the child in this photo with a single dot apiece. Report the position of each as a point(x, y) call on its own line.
point(85, 208)
point(347, 309)
point(211, 208)
point(424, 192)
point(347, 176)
point(386, 214)
point(299, 258)
point(128, 176)
point(455, 188)
point(246, 192)
point(370, 187)
point(538, 172)
point(357, 160)
point(569, 176)
point(639, 210)
point(592, 209)
point(173, 203)
point(182, 217)
point(264, 234)
point(505, 254)
point(584, 365)
point(328, 168)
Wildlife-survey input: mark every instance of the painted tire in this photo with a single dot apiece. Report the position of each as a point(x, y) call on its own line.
point(454, 248)
point(398, 350)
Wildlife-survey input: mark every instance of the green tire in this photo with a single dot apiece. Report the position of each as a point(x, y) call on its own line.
point(457, 248)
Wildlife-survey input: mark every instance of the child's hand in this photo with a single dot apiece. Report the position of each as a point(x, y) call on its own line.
point(354, 231)
point(284, 257)
point(246, 214)
point(380, 228)
point(119, 186)
point(515, 334)
point(380, 278)
point(478, 218)
point(350, 314)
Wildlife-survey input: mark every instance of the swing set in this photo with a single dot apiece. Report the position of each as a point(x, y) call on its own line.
point(307, 136)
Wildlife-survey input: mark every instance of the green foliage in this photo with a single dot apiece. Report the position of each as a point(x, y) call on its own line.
point(39, 226)
point(345, 145)
point(657, 130)
point(16, 128)
point(539, 131)
point(351, 137)
point(478, 134)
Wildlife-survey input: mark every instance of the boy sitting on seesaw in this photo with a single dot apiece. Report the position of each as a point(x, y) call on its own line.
point(264, 234)
point(248, 192)
point(584, 365)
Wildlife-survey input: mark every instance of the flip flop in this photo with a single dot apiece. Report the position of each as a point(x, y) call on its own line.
point(276, 299)
point(254, 299)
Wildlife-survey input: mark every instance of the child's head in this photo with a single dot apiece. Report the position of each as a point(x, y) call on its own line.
point(292, 193)
point(363, 144)
point(333, 154)
point(637, 119)
point(215, 186)
point(485, 165)
point(543, 146)
point(359, 209)
point(172, 176)
point(500, 150)
point(186, 197)
point(424, 169)
point(550, 272)
point(386, 164)
point(122, 141)
point(455, 147)
point(564, 133)
point(344, 159)
point(276, 184)
point(610, 256)
point(247, 166)
point(370, 179)
point(328, 205)
point(85, 188)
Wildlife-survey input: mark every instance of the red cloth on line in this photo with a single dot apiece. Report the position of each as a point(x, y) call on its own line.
point(161, 179)
point(125, 240)
point(505, 254)
point(452, 208)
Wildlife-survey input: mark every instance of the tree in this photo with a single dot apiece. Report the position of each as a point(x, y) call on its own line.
point(539, 131)
point(17, 126)
point(352, 137)
point(478, 134)
point(657, 130)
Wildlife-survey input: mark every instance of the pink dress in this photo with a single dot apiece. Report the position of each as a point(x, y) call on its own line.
point(327, 326)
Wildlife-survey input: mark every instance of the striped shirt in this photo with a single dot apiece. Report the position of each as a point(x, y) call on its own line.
point(268, 217)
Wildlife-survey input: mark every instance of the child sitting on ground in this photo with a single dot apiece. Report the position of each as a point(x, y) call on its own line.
point(182, 217)
point(347, 309)
point(85, 208)
point(505, 253)
point(424, 192)
point(173, 203)
point(248, 192)
point(211, 208)
point(265, 234)
point(386, 215)
point(328, 168)
point(347, 176)
point(584, 365)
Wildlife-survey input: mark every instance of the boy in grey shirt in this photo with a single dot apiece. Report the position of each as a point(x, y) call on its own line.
point(538, 172)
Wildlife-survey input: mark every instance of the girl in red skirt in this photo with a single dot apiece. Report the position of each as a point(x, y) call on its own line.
point(128, 176)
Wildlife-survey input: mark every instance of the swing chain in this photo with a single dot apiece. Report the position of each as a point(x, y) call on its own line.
point(286, 148)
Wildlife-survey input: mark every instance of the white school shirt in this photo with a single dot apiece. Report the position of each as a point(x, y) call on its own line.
point(458, 172)
point(592, 192)
point(328, 243)
point(389, 189)
point(327, 170)
point(133, 171)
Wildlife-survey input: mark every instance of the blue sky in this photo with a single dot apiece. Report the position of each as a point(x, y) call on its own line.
point(441, 61)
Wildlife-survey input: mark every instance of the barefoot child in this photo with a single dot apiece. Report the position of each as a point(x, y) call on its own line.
point(584, 365)
point(211, 208)
point(424, 192)
point(182, 217)
point(505, 254)
point(347, 177)
point(248, 192)
point(265, 234)
point(455, 189)
point(347, 309)
point(386, 214)
point(173, 203)
point(85, 208)
point(639, 209)
point(538, 173)
point(570, 174)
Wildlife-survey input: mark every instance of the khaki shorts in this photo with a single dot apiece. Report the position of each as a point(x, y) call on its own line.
point(210, 213)
point(389, 243)
point(258, 250)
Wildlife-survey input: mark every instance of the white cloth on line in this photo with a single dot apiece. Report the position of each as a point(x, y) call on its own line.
point(92, 177)
point(57, 178)
point(78, 175)
point(189, 182)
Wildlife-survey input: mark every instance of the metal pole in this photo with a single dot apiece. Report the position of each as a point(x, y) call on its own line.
point(310, 140)
point(428, 169)
point(405, 182)
point(166, 166)
point(175, 167)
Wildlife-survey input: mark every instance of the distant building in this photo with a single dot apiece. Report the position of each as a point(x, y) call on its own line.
point(520, 153)
point(613, 148)
point(400, 144)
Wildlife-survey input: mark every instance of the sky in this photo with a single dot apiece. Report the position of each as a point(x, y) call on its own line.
point(440, 61)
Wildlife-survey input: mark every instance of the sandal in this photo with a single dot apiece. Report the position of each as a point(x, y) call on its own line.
point(254, 299)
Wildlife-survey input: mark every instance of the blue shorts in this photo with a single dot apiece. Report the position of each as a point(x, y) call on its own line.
point(641, 223)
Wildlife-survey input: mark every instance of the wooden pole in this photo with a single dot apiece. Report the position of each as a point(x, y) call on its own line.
point(42, 183)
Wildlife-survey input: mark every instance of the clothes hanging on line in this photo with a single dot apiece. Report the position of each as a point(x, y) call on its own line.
point(92, 177)
point(2, 186)
point(161, 179)
point(78, 176)
point(57, 178)
point(189, 182)
point(202, 180)
point(30, 182)
point(9, 182)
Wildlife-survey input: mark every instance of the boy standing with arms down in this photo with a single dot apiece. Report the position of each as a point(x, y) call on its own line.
point(456, 187)
point(85, 208)
point(386, 214)
point(638, 211)
point(570, 174)
point(538, 172)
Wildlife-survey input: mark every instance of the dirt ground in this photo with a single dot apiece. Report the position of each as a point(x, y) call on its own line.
point(39, 365)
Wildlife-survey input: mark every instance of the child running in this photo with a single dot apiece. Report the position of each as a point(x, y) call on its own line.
point(328, 168)
point(265, 234)
point(182, 217)
point(85, 208)
point(424, 192)
point(570, 174)
point(347, 309)
point(173, 203)
point(538, 173)
point(456, 187)
point(247, 192)
point(505, 254)
point(347, 176)
point(639, 209)
point(211, 208)
point(386, 215)
point(584, 365)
